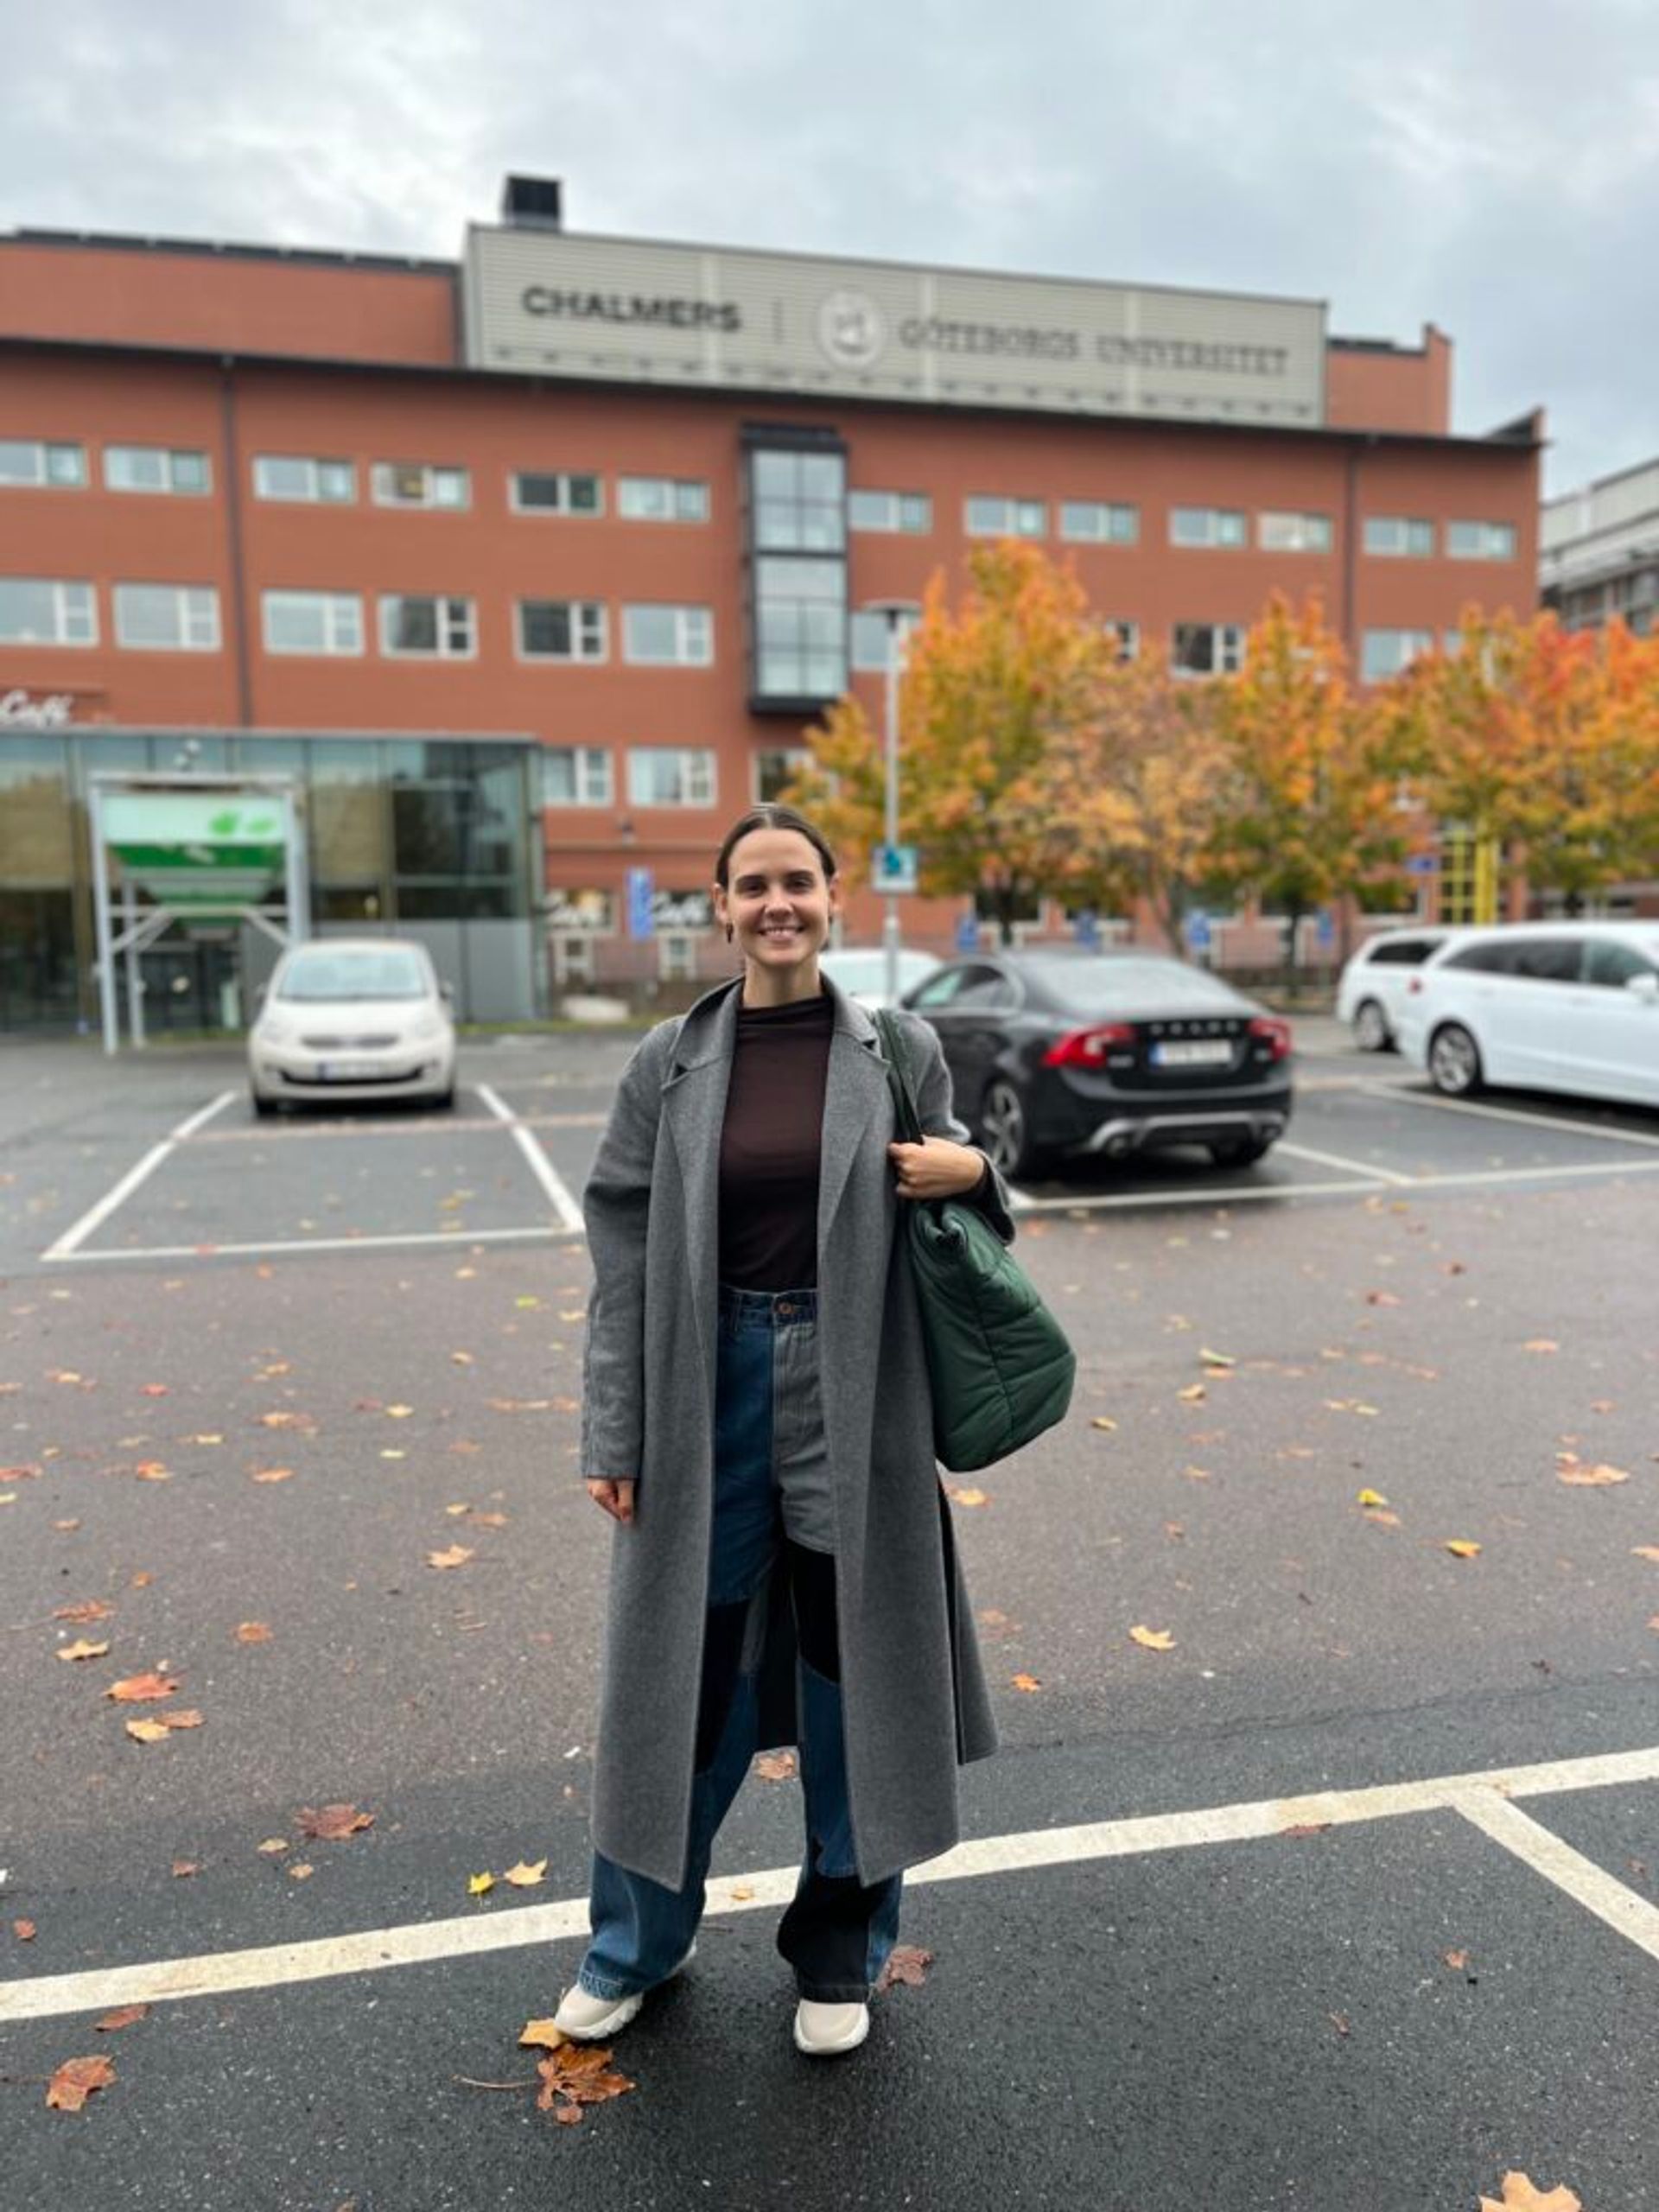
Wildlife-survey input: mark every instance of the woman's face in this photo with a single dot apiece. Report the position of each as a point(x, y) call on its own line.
point(778, 903)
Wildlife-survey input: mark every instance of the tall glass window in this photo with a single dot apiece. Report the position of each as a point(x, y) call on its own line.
point(798, 570)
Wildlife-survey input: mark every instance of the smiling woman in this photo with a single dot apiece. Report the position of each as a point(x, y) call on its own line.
point(758, 1423)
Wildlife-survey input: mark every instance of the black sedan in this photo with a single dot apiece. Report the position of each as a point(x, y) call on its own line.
point(1062, 1053)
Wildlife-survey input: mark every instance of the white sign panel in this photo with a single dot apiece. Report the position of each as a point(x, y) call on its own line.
point(619, 309)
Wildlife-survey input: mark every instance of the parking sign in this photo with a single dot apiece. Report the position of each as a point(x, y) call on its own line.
point(641, 922)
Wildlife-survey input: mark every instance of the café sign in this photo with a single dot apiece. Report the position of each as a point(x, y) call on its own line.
point(635, 311)
point(20, 709)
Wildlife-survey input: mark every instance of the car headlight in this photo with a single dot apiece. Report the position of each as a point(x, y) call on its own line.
point(273, 1029)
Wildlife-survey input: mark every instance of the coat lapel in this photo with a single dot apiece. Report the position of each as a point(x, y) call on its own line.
point(854, 1095)
point(694, 1107)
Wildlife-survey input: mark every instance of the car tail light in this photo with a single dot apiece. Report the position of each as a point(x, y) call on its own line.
point(1087, 1048)
point(1276, 1032)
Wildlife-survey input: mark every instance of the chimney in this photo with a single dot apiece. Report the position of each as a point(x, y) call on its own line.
point(532, 203)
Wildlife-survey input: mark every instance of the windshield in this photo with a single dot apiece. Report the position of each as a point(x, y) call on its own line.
point(1094, 986)
point(395, 973)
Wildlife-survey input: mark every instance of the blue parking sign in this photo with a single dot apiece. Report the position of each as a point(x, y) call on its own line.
point(641, 893)
point(1196, 929)
point(967, 933)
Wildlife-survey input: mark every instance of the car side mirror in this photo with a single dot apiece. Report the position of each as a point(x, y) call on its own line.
point(446, 993)
point(1645, 986)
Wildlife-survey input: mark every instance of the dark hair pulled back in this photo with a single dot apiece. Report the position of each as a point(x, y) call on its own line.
point(770, 815)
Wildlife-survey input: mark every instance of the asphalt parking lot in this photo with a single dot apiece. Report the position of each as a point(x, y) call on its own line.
point(1344, 1897)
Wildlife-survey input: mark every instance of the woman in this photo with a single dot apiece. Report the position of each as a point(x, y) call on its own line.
point(757, 1423)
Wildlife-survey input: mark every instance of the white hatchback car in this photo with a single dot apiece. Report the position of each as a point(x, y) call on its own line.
point(354, 1018)
point(861, 971)
point(1373, 983)
point(1540, 1006)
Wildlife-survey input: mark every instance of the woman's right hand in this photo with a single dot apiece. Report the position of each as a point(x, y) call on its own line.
point(615, 1498)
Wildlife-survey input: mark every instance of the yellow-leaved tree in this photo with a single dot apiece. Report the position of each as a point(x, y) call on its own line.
point(1306, 810)
point(993, 693)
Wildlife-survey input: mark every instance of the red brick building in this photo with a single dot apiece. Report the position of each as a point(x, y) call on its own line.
point(628, 499)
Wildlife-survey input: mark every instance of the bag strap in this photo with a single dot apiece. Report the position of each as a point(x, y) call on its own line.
point(896, 1057)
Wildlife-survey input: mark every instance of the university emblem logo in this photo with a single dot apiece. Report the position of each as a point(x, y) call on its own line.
point(851, 329)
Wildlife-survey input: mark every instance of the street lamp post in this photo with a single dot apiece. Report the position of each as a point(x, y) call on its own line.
point(895, 611)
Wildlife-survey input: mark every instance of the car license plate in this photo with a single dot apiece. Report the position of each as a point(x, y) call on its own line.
point(1208, 1053)
point(344, 1071)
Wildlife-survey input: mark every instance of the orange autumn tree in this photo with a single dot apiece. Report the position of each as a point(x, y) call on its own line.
point(1306, 813)
point(1546, 739)
point(993, 692)
point(1150, 764)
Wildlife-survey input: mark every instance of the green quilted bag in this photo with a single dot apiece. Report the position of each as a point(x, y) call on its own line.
point(999, 1366)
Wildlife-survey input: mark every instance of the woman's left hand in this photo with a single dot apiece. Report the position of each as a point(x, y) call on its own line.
point(936, 1168)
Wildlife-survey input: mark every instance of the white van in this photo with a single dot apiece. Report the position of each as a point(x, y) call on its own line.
point(1540, 1006)
point(1373, 983)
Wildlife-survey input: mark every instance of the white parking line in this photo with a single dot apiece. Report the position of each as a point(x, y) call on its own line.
point(1335, 1159)
point(67, 1246)
point(1479, 1797)
point(1556, 1860)
point(1510, 1114)
point(540, 1232)
point(1202, 1195)
point(541, 1166)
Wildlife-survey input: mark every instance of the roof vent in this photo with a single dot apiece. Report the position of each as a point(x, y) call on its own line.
point(533, 203)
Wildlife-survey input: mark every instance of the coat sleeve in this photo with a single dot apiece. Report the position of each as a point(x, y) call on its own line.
point(938, 1111)
point(616, 1206)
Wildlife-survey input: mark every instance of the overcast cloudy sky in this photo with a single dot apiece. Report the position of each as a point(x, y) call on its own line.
point(1489, 165)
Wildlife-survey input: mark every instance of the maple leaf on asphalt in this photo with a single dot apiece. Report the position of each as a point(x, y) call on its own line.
point(81, 1650)
point(776, 1766)
point(577, 2075)
point(906, 1965)
point(457, 1555)
point(1522, 2194)
point(525, 1877)
point(75, 2081)
point(123, 2017)
point(334, 1823)
point(136, 1689)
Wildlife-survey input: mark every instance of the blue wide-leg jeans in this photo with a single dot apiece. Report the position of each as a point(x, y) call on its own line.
point(772, 1489)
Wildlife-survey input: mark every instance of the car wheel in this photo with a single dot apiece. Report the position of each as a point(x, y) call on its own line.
point(1005, 1131)
point(1371, 1028)
point(1453, 1061)
point(1240, 1152)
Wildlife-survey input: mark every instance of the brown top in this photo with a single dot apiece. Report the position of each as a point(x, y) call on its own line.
point(769, 1145)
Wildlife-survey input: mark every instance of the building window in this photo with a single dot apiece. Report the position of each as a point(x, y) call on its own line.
point(869, 639)
point(906, 513)
point(774, 772)
point(1195, 526)
point(668, 637)
point(562, 629)
point(557, 492)
point(167, 618)
point(155, 469)
point(423, 627)
point(26, 461)
point(799, 500)
point(575, 775)
point(1383, 653)
point(670, 775)
point(36, 610)
point(1207, 648)
point(988, 516)
point(417, 484)
point(1480, 541)
point(328, 622)
point(662, 499)
point(797, 482)
point(1292, 533)
point(1400, 536)
point(1098, 522)
point(676, 957)
point(294, 476)
point(1128, 635)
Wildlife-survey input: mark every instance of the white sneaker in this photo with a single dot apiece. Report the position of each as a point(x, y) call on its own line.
point(825, 2030)
point(587, 2018)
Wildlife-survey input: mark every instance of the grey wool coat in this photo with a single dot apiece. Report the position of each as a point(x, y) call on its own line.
point(913, 1690)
